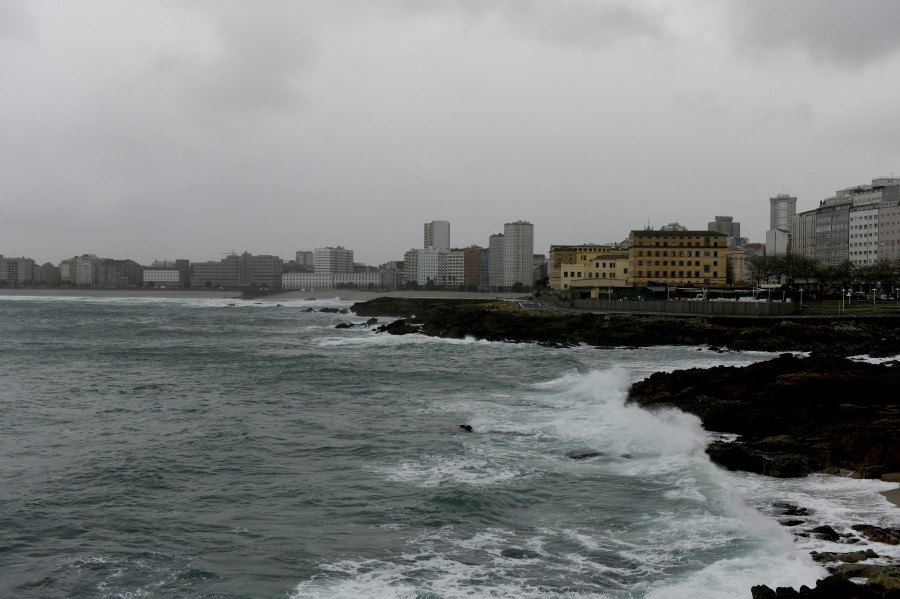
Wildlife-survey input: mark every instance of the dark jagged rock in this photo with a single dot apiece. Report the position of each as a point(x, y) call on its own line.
point(582, 454)
point(791, 523)
point(412, 309)
point(794, 415)
point(848, 558)
point(359, 325)
point(506, 321)
point(398, 327)
point(789, 509)
point(876, 534)
point(832, 587)
point(466, 427)
point(826, 533)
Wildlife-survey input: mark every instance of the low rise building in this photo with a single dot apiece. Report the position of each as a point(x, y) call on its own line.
point(678, 258)
point(245, 270)
point(600, 274)
point(569, 262)
point(162, 277)
point(312, 281)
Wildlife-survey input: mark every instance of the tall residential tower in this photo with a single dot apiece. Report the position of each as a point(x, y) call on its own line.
point(437, 235)
point(518, 253)
point(782, 209)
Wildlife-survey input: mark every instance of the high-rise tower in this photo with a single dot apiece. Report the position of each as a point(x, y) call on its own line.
point(437, 235)
point(518, 253)
point(782, 209)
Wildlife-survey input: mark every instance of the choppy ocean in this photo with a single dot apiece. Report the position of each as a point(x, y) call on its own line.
point(220, 449)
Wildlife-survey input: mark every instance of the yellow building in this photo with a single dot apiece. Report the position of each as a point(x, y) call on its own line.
point(678, 258)
point(574, 262)
point(600, 274)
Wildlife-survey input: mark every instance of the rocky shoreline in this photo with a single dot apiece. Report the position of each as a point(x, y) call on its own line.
point(506, 321)
point(792, 416)
point(796, 416)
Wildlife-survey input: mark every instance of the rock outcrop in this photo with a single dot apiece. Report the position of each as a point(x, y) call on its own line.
point(506, 321)
point(794, 415)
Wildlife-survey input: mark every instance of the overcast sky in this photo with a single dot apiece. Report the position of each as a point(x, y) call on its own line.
point(171, 129)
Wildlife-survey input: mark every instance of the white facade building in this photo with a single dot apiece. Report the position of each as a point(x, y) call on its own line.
point(429, 266)
point(518, 253)
point(437, 235)
point(333, 259)
point(777, 242)
point(311, 281)
point(169, 277)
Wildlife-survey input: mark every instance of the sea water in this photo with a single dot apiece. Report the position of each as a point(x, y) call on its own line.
point(223, 448)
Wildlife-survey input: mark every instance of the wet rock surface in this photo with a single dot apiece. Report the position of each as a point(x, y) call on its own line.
point(794, 415)
point(506, 321)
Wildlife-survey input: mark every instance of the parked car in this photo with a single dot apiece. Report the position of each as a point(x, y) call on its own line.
point(859, 296)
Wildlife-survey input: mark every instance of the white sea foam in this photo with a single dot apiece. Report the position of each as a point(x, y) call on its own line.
point(871, 360)
point(433, 471)
point(373, 339)
point(829, 500)
point(729, 578)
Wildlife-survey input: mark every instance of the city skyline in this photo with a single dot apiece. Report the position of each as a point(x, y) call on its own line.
point(154, 130)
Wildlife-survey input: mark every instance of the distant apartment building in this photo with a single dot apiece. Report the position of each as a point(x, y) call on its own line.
point(312, 281)
point(751, 252)
point(782, 209)
point(803, 237)
point(471, 265)
point(726, 225)
point(244, 270)
point(437, 235)
point(454, 269)
point(518, 254)
point(778, 242)
point(162, 277)
point(832, 236)
point(16, 271)
point(540, 267)
point(79, 271)
point(333, 259)
point(431, 264)
point(737, 267)
point(569, 263)
point(860, 224)
point(305, 259)
point(485, 281)
point(496, 245)
point(118, 274)
point(678, 258)
point(411, 266)
point(49, 275)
